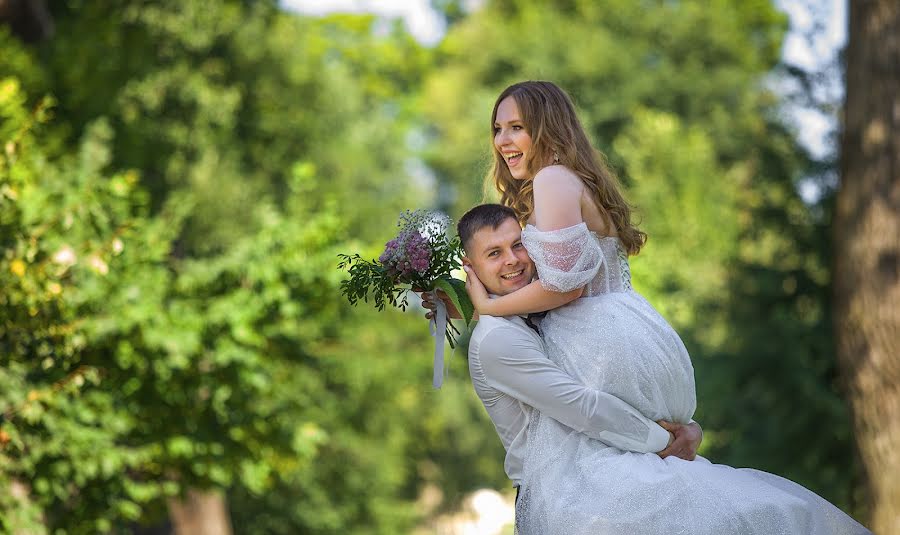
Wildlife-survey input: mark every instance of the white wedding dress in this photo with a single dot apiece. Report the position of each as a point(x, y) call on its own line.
point(612, 339)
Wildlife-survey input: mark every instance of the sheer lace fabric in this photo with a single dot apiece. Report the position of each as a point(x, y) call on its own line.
point(575, 257)
point(612, 339)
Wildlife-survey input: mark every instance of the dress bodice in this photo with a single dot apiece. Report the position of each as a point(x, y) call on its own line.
point(614, 274)
point(575, 257)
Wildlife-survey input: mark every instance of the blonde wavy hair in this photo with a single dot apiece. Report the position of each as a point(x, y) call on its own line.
point(550, 119)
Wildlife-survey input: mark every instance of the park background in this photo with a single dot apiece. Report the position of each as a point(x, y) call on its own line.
point(177, 179)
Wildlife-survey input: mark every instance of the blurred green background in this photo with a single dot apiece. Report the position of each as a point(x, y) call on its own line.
point(178, 177)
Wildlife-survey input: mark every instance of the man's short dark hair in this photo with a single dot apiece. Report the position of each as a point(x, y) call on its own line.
point(483, 215)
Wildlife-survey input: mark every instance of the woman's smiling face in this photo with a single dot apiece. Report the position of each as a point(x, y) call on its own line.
point(511, 138)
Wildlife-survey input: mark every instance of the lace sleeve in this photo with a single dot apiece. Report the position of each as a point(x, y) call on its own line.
point(566, 259)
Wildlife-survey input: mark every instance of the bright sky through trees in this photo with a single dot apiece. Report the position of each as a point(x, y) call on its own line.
point(805, 45)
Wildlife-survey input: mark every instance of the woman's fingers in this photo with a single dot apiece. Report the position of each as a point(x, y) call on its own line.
point(472, 281)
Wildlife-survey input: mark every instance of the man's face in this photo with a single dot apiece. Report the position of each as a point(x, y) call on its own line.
point(499, 258)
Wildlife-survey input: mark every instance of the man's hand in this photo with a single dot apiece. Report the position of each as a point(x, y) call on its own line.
point(687, 440)
point(428, 302)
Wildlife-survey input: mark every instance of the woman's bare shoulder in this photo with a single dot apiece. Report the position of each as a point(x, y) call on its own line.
point(558, 178)
point(557, 196)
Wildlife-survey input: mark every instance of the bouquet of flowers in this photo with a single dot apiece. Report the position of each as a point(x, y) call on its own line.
point(419, 258)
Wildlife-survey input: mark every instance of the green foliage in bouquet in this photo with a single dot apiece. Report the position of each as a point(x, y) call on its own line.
point(421, 258)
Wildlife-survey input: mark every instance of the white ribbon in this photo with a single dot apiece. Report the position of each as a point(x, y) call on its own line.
point(438, 328)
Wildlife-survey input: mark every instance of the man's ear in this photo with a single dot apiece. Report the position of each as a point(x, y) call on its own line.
point(466, 261)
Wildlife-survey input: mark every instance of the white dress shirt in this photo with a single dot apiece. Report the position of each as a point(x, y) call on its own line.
point(511, 374)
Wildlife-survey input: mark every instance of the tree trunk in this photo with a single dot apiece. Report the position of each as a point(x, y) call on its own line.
point(867, 251)
point(27, 514)
point(200, 513)
point(29, 19)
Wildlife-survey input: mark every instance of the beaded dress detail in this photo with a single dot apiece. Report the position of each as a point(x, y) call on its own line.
point(612, 339)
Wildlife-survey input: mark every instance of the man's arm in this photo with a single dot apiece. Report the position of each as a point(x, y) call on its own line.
point(516, 365)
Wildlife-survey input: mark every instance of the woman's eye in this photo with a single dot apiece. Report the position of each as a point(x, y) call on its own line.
point(496, 130)
point(517, 127)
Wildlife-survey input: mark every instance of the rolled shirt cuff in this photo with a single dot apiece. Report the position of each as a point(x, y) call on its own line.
point(658, 439)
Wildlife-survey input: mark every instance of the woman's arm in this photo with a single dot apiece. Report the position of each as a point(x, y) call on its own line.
point(557, 205)
point(557, 198)
point(531, 298)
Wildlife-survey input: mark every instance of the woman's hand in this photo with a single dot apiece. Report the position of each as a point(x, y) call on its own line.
point(477, 292)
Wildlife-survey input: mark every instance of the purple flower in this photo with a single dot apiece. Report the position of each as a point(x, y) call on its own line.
point(407, 254)
point(390, 251)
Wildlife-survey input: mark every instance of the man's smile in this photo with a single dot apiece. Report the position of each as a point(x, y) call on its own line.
point(513, 275)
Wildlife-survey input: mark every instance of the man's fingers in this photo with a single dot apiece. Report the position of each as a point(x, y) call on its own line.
point(674, 452)
point(678, 449)
point(668, 426)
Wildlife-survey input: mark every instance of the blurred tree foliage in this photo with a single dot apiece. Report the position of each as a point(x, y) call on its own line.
point(204, 166)
point(223, 98)
point(172, 210)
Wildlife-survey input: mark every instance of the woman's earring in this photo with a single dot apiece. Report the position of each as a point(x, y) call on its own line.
point(555, 157)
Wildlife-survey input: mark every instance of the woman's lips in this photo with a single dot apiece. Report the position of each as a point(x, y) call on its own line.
point(512, 159)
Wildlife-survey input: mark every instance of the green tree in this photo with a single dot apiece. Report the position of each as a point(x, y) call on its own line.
point(64, 228)
point(240, 146)
point(222, 99)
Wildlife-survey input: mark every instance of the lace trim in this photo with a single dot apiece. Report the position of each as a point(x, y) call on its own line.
point(624, 267)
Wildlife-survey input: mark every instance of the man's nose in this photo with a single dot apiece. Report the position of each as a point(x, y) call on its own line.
point(509, 257)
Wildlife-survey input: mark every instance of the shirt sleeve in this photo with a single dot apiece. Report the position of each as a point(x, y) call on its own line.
point(518, 367)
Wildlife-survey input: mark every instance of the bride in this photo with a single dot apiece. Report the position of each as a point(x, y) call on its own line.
point(579, 234)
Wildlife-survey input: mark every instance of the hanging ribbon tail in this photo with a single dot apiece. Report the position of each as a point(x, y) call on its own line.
point(438, 328)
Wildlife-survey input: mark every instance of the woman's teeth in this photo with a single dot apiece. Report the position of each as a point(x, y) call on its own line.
point(514, 156)
point(512, 275)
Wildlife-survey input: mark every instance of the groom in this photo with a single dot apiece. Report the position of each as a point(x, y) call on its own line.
point(512, 375)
